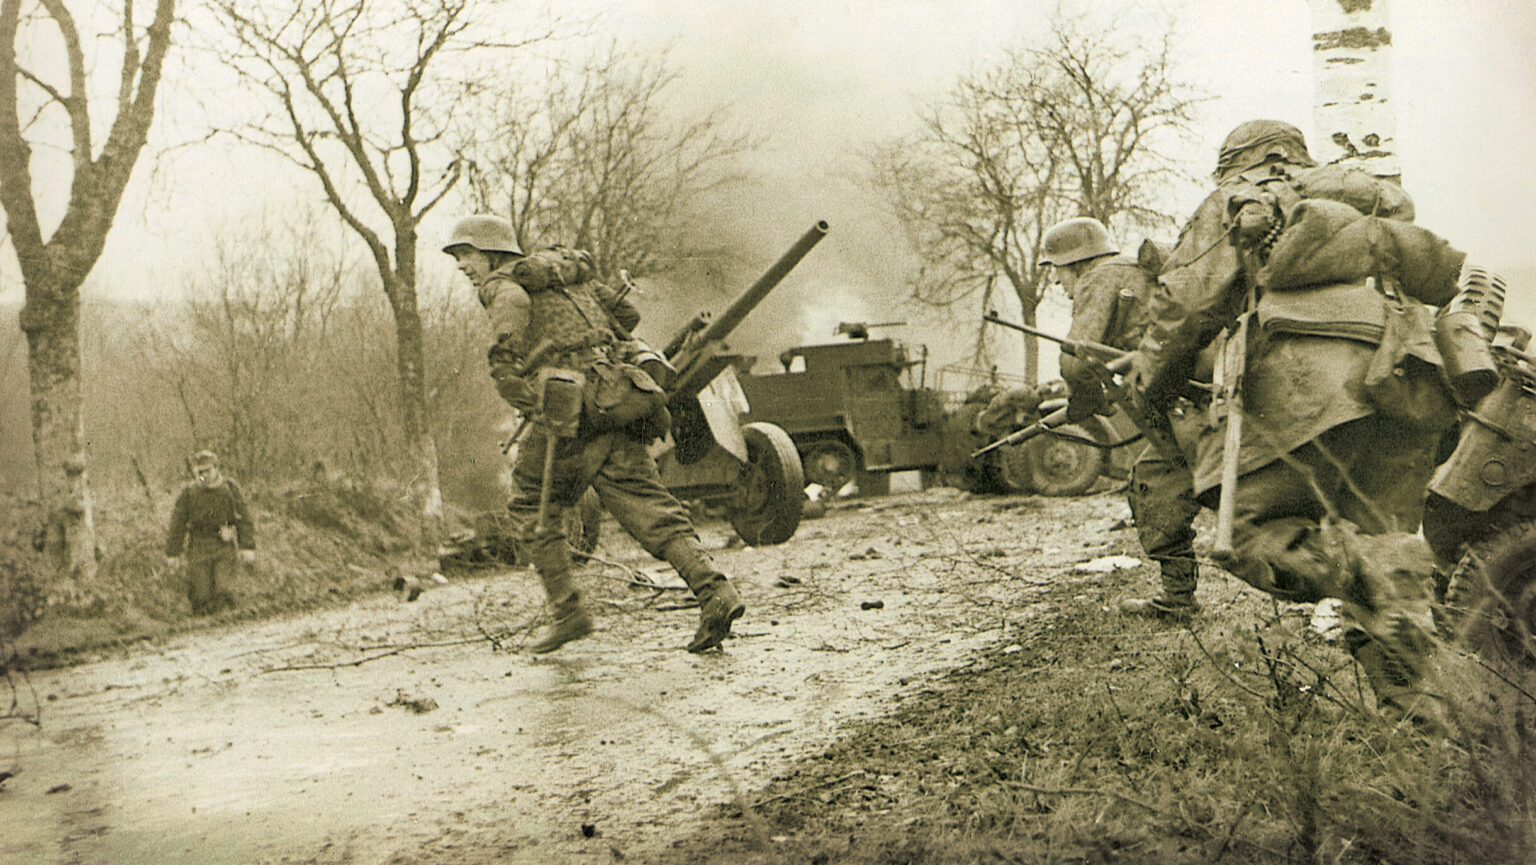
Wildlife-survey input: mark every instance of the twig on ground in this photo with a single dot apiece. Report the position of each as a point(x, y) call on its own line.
point(358, 662)
point(634, 576)
point(804, 790)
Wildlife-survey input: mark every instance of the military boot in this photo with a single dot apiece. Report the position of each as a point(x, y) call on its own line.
point(1176, 600)
point(719, 603)
point(1414, 675)
point(572, 622)
point(1398, 683)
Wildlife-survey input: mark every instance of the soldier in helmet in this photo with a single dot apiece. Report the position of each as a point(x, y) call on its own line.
point(547, 310)
point(208, 523)
point(1341, 404)
point(1109, 294)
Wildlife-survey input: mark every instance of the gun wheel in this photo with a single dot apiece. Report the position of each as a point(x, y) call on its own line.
point(1490, 603)
point(1054, 466)
point(770, 495)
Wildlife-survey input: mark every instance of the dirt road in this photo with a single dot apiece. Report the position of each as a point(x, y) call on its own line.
point(416, 732)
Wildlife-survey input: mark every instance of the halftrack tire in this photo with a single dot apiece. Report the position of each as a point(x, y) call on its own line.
point(1011, 469)
point(829, 462)
point(770, 497)
point(1490, 603)
point(1063, 467)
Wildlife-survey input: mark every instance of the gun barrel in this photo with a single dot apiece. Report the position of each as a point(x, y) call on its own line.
point(749, 299)
point(1046, 424)
point(1071, 346)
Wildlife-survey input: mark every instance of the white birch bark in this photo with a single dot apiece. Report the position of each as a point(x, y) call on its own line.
point(1354, 119)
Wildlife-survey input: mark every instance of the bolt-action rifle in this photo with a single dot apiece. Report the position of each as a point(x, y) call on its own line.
point(1113, 361)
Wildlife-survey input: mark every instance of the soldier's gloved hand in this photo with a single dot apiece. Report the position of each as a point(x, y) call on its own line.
point(1140, 383)
point(512, 388)
point(248, 556)
point(1083, 404)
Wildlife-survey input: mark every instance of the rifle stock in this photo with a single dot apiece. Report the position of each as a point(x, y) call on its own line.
point(1084, 348)
point(1116, 361)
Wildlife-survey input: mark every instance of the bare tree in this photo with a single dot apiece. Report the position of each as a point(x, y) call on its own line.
point(1075, 128)
point(31, 100)
point(363, 102)
point(592, 158)
point(254, 320)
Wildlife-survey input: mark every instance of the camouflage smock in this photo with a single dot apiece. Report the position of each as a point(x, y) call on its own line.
point(1299, 382)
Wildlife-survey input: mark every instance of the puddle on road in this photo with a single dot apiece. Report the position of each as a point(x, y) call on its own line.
point(196, 756)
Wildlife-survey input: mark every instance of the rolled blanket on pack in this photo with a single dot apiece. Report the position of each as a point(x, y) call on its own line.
point(1328, 242)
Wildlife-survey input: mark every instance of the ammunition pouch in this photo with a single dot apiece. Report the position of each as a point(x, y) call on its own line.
point(638, 352)
point(623, 396)
point(1404, 379)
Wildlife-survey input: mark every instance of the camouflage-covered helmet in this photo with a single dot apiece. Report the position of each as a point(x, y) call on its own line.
point(1253, 142)
point(1074, 240)
point(485, 233)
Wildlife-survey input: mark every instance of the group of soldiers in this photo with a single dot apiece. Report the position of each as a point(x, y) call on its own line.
point(1283, 365)
point(1279, 362)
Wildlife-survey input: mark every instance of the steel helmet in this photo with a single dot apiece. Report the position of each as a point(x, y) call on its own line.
point(1074, 240)
point(485, 233)
point(1251, 143)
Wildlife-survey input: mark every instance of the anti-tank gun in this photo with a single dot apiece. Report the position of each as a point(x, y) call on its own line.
point(752, 469)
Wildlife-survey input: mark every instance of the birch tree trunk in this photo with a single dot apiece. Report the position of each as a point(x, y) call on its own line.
point(1353, 115)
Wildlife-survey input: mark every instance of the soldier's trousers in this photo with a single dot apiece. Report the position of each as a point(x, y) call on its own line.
point(1162, 500)
point(1371, 471)
point(208, 566)
point(623, 474)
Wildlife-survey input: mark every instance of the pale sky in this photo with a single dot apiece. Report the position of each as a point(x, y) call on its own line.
point(825, 79)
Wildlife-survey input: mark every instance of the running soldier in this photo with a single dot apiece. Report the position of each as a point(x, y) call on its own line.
point(1337, 401)
point(551, 319)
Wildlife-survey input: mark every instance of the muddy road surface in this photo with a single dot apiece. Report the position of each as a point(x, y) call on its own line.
point(390, 731)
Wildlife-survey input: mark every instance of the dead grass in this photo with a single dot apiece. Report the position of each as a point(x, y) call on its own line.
point(1242, 738)
point(321, 543)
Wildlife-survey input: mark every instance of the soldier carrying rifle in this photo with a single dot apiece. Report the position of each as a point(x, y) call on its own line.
point(1333, 403)
point(1109, 294)
point(562, 355)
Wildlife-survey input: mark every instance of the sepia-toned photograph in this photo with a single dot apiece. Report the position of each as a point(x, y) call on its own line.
point(688, 432)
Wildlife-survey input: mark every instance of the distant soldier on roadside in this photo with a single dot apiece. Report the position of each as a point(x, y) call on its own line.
point(1110, 294)
point(209, 523)
point(553, 323)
